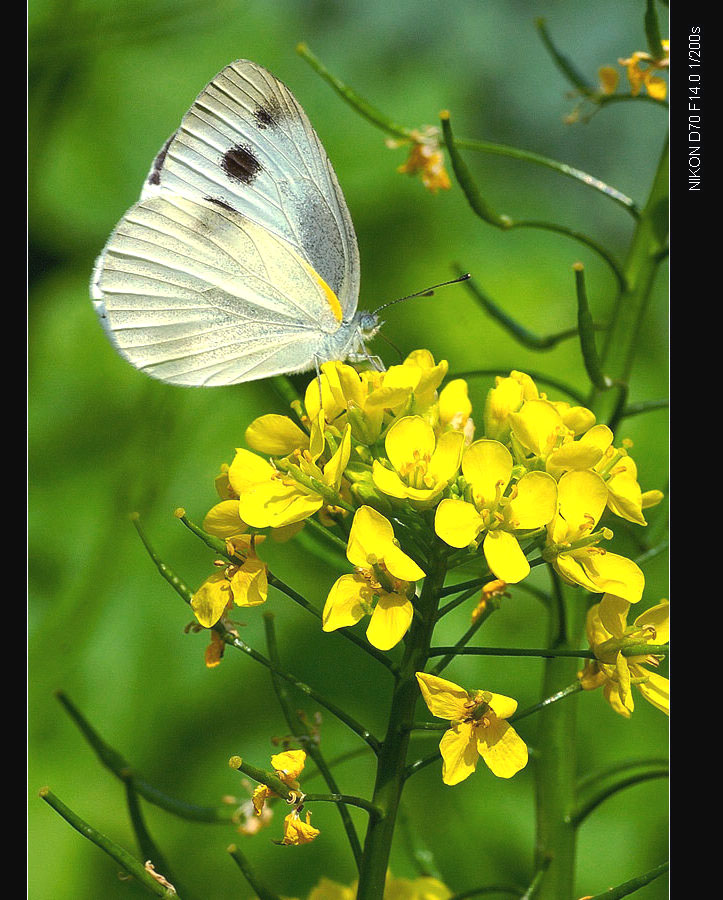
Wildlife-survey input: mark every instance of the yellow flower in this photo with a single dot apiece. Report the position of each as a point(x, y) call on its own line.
point(275, 497)
point(487, 467)
point(506, 397)
point(287, 766)
point(425, 159)
point(327, 889)
point(297, 831)
point(571, 547)
point(609, 77)
point(478, 728)
point(608, 634)
point(640, 68)
point(422, 464)
point(424, 888)
point(244, 585)
point(384, 574)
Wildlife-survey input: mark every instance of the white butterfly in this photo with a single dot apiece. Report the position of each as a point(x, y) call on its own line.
point(240, 259)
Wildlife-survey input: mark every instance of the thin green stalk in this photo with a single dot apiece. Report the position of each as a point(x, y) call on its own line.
point(629, 887)
point(576, 79)
point(652, 30)
point(644, 406)
point(260, 889)
point(131, 865)
point(641, 267)
point(492, 605)
point(541, 653)
point(586, 332)
point(301, 731)
point(118, 765)
point(271, 780)
point(555, 769)
point(595, 797)
point(147, 846)
point(559, 167)
point(390, 777)
point(517, 330)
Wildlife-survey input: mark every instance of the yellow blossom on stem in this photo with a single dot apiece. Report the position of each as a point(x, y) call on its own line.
point(381, 585)
point(641, 67)
point(298, 831)
point(477, 728)
point(278, 496)
point(287, 766)
point(609, 77)
point(572, 541)
point(244, 585)
point(608, 634)
point(487, 467)
point(422, 465)
point(426, 160)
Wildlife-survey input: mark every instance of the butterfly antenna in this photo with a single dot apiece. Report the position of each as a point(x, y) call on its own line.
point(427, 292)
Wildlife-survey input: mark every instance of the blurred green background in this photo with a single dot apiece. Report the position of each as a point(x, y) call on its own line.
point(109, 82)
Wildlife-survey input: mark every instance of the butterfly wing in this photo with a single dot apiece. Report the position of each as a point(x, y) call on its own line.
point(247, 143)
point(194, 293)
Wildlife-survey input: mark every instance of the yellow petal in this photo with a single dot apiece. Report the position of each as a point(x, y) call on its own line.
point(503, 707)
point(390, 620)
point(249, 584)
point(276, 435)
point(370, 537)
point(651, 498)
point(289, 764)
point(615, 574)
point(444, 699)
point(501, 748)
point(536, 501)
point(446, 458)
point(334, 469)
point(656, 690)
point(457, 523)
point(581, 500)
point(459, 753)
point(454, 403)
point(625, 498)
point(400, 565)
point(505, 398)
point(388, 482)
point(277, 502)
point(658, 618)
point(575, 455)
point(247, 470)
point(613, 612)
point(346, 603)
point(487, 465)
point(223, 520)
point(408, 435)
point(211, 599)
point(505, 557)
point(537, 426)
point(296, 831)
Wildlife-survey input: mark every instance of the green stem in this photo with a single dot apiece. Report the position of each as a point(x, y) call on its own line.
point(555, 769)
point(586, 331)
point(135, 868)
point(492, 605)
point(640, 269)
point(540, 653)
point(629, 887)
point(595, 798)
point(262, 892)
point(392, 757)
point(303, 734)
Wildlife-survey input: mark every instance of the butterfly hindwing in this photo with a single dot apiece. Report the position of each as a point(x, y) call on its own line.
point(247, 144)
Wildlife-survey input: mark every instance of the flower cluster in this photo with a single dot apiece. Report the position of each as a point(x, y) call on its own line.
point(422, 888)
point(390, 462)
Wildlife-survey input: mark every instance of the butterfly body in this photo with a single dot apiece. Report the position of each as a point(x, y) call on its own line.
point(240, 260)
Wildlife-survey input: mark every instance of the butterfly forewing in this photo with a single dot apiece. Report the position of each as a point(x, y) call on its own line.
point(247, 144)
point(194, 293)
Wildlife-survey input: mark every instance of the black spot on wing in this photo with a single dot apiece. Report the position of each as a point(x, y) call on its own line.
point(154, 176)
point(219, 203)
point(263, 117)
point(268, 114)
point(240, 164)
